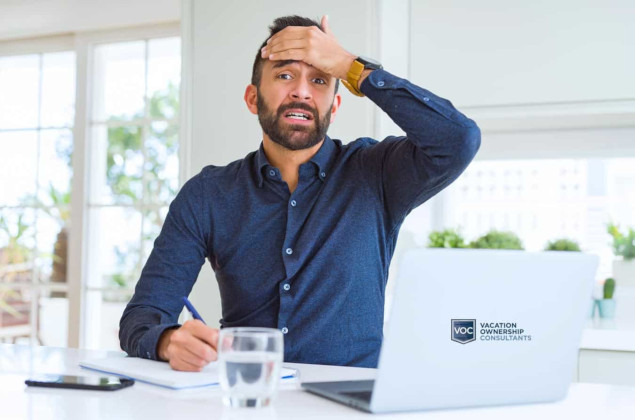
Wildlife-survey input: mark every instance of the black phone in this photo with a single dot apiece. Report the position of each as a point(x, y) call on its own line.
point(95, 383)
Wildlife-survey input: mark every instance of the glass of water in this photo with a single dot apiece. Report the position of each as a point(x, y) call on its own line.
point(250, 360)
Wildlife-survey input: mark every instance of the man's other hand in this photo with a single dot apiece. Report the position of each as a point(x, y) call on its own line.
point(190, 347)
point(312, 46)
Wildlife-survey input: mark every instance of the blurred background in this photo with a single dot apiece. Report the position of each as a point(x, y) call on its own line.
point(106, 108)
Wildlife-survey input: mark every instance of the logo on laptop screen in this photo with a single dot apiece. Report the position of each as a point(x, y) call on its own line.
point(463, 330)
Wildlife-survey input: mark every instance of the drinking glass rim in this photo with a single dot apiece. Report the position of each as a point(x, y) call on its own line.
point(257, 330)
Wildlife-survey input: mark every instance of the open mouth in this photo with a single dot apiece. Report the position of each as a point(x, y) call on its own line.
point(298, 116)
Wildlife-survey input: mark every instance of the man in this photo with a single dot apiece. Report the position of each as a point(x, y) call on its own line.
point(300, 233)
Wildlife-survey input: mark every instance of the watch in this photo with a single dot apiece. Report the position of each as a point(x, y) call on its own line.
point(355, 73)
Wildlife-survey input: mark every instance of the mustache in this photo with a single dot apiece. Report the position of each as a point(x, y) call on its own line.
point(298, 105)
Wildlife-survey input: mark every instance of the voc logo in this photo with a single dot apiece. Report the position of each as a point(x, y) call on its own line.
point(463, 330)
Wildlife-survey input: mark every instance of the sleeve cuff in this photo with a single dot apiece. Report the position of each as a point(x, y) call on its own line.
point(148, 344)
point(380, 79)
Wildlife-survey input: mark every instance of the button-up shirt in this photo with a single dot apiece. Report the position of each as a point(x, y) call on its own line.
point(312, 263)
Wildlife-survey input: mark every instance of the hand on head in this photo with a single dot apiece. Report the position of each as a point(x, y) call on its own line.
point(312, 46)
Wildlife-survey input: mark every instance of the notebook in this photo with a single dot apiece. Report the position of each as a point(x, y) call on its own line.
point(160, 373)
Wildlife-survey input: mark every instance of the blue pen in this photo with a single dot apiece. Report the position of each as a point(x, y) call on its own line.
point(192, 310)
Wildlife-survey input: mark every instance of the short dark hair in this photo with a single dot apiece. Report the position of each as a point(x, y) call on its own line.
point(278, 25)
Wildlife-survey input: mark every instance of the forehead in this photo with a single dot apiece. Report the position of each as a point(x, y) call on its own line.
point(296, 64)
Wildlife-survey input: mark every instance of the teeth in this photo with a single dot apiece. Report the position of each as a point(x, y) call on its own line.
point(297, 115)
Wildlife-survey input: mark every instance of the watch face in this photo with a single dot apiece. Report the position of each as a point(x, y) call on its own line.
point(369, 63)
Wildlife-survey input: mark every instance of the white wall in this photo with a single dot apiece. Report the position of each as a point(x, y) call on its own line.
point(225, 37)
point(27, 19)
point(500, 52)
point(225, 41)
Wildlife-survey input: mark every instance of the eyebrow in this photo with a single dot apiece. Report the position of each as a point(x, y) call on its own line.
point(285, 63)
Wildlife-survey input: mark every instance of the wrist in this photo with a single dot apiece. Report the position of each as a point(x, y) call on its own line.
point(347, 62)
point(360, 69)
point(162, 345)
point(363, 77)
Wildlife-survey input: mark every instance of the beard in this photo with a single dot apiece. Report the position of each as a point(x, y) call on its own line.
point(292, 136)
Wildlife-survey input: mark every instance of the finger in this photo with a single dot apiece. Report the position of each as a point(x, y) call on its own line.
point(289, 30)
point(293, 54)
point(181, 358)
point(202, 332)
point(200, 351)
point(287, 41)
point(184, 345)
point(281, 46)
point(179, 364)
point(198, 356)
point(325, 25)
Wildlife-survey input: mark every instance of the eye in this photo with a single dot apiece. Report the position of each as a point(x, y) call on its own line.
point(319, 81)
point(285, 76)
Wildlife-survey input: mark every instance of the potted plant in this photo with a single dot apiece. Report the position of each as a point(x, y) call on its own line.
point(607, 304)
point(563, 244)
point(448, 238)
point(58, 207)
point(16, 266)
point(624, 249)
point(495, 239)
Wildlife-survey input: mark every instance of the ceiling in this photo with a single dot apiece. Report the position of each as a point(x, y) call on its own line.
point(33, 18)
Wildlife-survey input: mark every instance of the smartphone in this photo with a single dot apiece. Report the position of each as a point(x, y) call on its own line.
point(95, 383)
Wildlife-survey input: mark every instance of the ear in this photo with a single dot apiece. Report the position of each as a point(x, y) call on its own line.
point(337, 101)
point(251, 98)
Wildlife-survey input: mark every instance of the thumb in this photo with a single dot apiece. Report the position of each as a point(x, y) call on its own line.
point(325, 25)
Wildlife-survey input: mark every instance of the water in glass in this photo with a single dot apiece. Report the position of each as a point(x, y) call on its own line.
point(250, 363)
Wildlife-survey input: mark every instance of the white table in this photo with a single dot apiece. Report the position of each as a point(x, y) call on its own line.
point(142, 401)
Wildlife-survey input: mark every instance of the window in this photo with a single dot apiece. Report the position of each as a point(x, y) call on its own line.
point(37, 105)
point(133, 175)
point(92, 116)
point(542, 184)
point(543, 200)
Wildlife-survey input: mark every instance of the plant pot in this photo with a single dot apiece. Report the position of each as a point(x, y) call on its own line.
point(624, 272)
point(607, 308)
point(60, 259)
point(592, 309)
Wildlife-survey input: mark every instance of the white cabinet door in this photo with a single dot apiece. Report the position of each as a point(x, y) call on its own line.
point(607, 367)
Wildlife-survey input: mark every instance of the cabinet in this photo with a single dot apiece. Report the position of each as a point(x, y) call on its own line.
point(607, 353)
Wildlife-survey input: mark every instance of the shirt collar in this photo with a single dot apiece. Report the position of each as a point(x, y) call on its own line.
point(322, 159)
point(261, 163)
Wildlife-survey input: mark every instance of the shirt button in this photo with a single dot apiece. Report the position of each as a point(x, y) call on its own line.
point(289, 251)
point(380, 83)
point(322, 174)
point(286, 286)
point(293, 203)
point(285, 330)
point(426, 99)
point(272, 172)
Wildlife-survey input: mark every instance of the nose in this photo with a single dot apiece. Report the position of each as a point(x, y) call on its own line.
point(301, 90)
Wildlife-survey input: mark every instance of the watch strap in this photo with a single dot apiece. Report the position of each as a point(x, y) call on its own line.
point(353, 76)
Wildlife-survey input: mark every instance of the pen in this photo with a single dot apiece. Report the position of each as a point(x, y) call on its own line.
point(192, 310)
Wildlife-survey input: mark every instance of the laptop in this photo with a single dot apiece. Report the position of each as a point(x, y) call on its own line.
point(476, 328)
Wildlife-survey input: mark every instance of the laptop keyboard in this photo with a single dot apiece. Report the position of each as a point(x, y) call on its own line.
point(360, 395)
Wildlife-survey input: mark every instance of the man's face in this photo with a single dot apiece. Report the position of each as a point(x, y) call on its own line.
point(295, 103)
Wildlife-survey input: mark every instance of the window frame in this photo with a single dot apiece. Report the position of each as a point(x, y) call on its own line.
point(40, 46)
point(567, 130)
point(78, 255)
point(82, 44)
